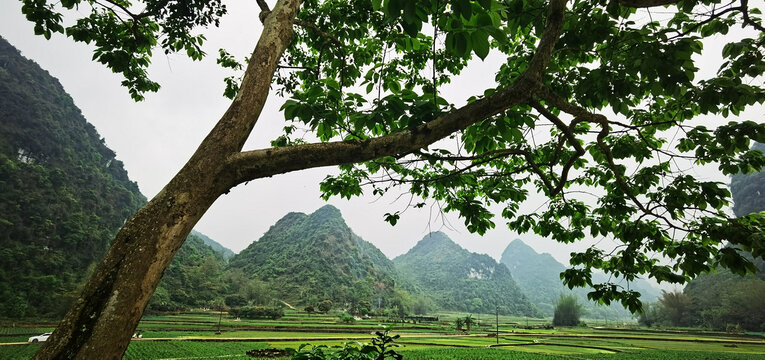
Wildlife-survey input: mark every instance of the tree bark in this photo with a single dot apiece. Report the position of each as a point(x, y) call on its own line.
point(101, 322)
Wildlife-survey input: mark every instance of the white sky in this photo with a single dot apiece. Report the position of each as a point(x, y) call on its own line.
point(154, 138)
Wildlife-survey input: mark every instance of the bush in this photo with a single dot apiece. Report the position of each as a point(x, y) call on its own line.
point(258, 312)
point(346, 318)
point(567, 311)
point(382, 347)
point(235, 300)
point(325, 306)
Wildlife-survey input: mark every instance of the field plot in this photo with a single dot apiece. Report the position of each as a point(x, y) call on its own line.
point(139, 350)
point(207, 335)
point(15, 334)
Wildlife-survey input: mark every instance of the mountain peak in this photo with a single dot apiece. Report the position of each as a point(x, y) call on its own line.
point(316, 254)
point(518, 246)
point(441, 267)
point(327, 212)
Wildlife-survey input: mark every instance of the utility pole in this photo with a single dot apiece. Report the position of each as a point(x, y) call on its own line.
point(497, 324)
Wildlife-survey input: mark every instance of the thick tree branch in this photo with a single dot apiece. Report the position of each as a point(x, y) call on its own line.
point(572, 140)
point(99, 324)
point(264, 10)
point(249, 165)
point(255, 164)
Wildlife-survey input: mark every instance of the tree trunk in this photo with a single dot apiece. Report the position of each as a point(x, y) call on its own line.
point(101, 322)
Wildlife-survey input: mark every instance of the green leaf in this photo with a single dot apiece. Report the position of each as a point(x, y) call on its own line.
point(480, 43)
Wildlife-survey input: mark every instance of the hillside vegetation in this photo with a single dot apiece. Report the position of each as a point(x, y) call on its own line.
point(459, 280)
point(306, 259)
point(64, 194)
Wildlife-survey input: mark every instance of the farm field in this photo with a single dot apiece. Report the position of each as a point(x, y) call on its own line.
point(195, 336)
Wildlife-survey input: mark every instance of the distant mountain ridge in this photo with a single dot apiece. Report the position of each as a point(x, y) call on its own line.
point(538, 275)
point(459, 280)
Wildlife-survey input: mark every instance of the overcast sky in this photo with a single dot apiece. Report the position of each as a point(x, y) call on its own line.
point(154, 138)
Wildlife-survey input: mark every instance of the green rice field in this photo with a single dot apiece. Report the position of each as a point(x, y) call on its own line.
point(205, 335)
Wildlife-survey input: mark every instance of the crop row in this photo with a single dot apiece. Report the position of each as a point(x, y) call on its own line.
point(6, 331)
point(145, 350)
point(18, 352)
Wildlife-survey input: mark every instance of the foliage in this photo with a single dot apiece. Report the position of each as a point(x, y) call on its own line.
point(616, 176)
point(459, 323)
point(325, 306)
point(651, 315)
point(218, 248)
point(346, 318)
point(456, 279)
point(380, 349)
point(723, 299)
point(676, 308)
point(468, 322)
point(568, 311)
point(594, 106)
point(235, 300)
point(258, 312)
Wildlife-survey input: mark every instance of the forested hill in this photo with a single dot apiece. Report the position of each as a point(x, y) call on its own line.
point(63, 194)
point(459, 280)
point(538, 275)
point(308, 258)
point(63, 197)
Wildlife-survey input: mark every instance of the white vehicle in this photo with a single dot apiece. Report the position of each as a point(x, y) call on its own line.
point(39, 338)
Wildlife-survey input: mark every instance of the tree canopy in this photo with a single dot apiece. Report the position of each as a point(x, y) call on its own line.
point(597, 105)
